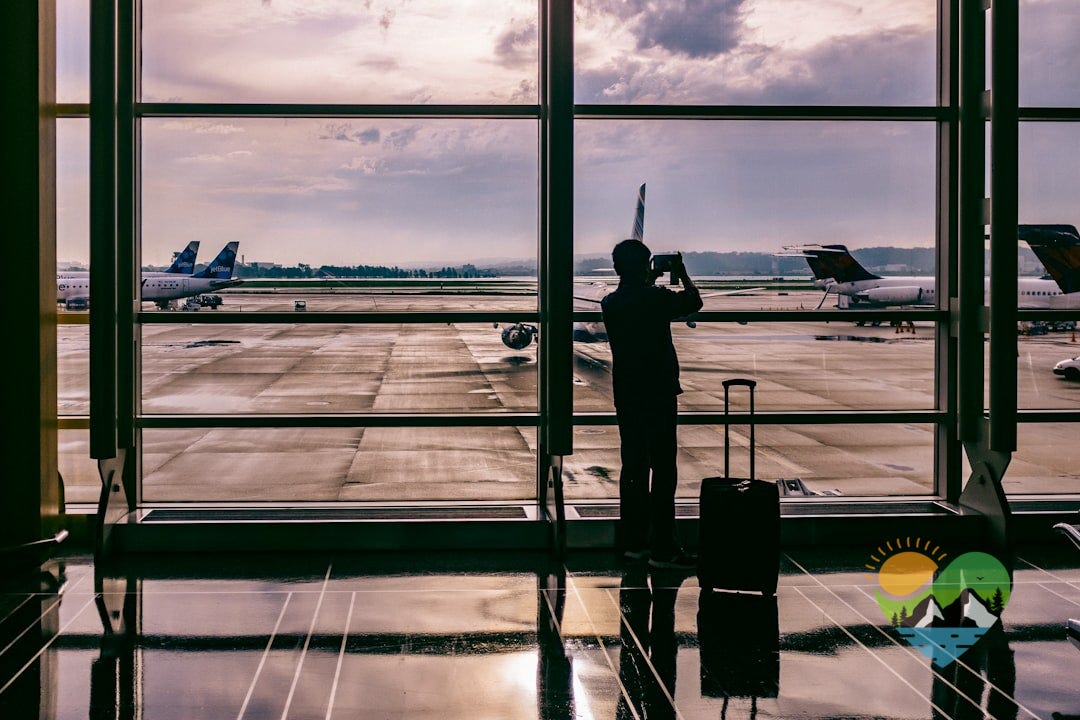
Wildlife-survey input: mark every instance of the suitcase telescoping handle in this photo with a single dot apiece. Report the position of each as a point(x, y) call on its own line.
point(751, 384)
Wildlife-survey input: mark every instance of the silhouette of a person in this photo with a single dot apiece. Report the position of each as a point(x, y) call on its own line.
point(645, 380)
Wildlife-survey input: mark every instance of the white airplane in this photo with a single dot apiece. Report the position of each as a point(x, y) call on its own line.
point(520, 335)
point(839, 273)
point(183, 264)
point(162, 287)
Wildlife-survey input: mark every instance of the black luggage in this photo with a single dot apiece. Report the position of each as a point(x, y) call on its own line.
point(739, 522)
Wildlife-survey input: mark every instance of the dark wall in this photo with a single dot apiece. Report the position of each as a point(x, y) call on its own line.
point(28, 487)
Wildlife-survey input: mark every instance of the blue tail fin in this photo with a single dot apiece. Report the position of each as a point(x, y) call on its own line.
point(221, 267)
point(638, 231)
point(184, 263)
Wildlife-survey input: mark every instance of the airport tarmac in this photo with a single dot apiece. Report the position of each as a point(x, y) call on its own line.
point(306, 368)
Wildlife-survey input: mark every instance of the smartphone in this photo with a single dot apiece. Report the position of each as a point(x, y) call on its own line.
point(667, 263)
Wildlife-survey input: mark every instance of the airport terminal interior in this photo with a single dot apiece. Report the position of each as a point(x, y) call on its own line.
point(336, 438)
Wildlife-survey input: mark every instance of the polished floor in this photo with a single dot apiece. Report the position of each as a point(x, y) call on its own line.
point(510, 635)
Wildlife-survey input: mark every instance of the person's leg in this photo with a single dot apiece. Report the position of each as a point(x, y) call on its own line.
point(662, 451)
point(633, 528)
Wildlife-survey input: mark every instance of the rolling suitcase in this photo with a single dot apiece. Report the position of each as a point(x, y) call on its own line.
point(739, 522)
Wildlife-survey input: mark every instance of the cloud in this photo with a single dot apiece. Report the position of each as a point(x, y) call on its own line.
point(517, 44)
point(689, 28)
point(894, 67)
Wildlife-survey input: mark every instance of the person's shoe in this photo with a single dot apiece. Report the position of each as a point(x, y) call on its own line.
point(640, 554)
point(679, 560)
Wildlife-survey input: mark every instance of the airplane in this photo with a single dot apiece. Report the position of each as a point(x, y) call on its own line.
point(163, 287)
point(1058, 249)
point(838, 272)
point(183, 264)
point(520, 335)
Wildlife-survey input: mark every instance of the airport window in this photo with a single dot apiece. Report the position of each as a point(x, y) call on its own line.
point(371, 53)
point(764, 53)
point(383, 170)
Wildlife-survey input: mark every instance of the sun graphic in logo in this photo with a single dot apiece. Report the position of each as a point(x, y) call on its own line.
point(906, 565)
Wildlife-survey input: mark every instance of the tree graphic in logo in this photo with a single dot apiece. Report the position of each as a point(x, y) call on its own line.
point(940, 608)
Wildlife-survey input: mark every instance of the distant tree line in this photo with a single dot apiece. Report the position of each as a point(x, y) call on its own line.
point(362, 271)
point(884, 260)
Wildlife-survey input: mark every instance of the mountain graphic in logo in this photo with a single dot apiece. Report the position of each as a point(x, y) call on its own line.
point(940, 609)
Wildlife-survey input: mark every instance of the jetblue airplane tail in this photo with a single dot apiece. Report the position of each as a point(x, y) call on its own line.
point(638, 231)
point(221, 267)
point(1058, 249)
point(184, 263)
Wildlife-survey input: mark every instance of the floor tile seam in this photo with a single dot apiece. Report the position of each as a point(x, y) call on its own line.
point(641, 650)
point(262, 660)
point(341, 658)
point(1044, 570)
point(1063, 597)
point(307, 644)
point(911, 652)
point(874, 655)
point(973, 671)
point(45, 646)
point(31, 626)
point(600, 641)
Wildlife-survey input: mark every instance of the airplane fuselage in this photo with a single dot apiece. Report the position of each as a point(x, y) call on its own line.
point(1032, 293)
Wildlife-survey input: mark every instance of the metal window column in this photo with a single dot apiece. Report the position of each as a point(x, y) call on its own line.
point(1004, 115)
point(555, 282)
point(947, 448)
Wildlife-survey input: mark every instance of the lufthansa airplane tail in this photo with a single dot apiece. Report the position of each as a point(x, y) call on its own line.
point(1058, 249)
point(184, 263)
point(221, 267)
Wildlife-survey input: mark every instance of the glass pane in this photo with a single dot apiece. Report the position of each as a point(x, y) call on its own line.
point(346, 464)
point(831, 460)
point(73, 194)
point(320, 368)
point(1048, 367)
point(835, 365)
point(336, 200)
point(756, 187)
point(1049, 56)
point(73, 363)
point(1047, 459)
point(82, 483)
point(73, 51)
point(340, 52)
point(766, 52)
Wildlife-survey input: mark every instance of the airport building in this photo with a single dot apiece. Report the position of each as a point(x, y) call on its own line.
point(378, 473)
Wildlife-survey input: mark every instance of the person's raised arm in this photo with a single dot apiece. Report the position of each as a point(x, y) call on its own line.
point(690, 297)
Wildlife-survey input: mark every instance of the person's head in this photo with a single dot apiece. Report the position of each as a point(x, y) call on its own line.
point(631, 259)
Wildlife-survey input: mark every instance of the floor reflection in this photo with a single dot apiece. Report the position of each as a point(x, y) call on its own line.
point(490, 635)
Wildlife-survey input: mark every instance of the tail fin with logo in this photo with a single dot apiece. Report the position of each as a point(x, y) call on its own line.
point(638, 231)
point(221, 267)
point(184, 263)
point(830, 262)
point(1058, 249)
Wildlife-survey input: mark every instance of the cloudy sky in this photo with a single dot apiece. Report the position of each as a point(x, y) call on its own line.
point(435, 191)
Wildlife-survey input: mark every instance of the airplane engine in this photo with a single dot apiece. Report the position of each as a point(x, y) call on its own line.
point(910, 295)
point(518, 336)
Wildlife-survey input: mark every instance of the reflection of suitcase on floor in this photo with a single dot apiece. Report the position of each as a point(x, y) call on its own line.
point(739, 525)
point(739, 642)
